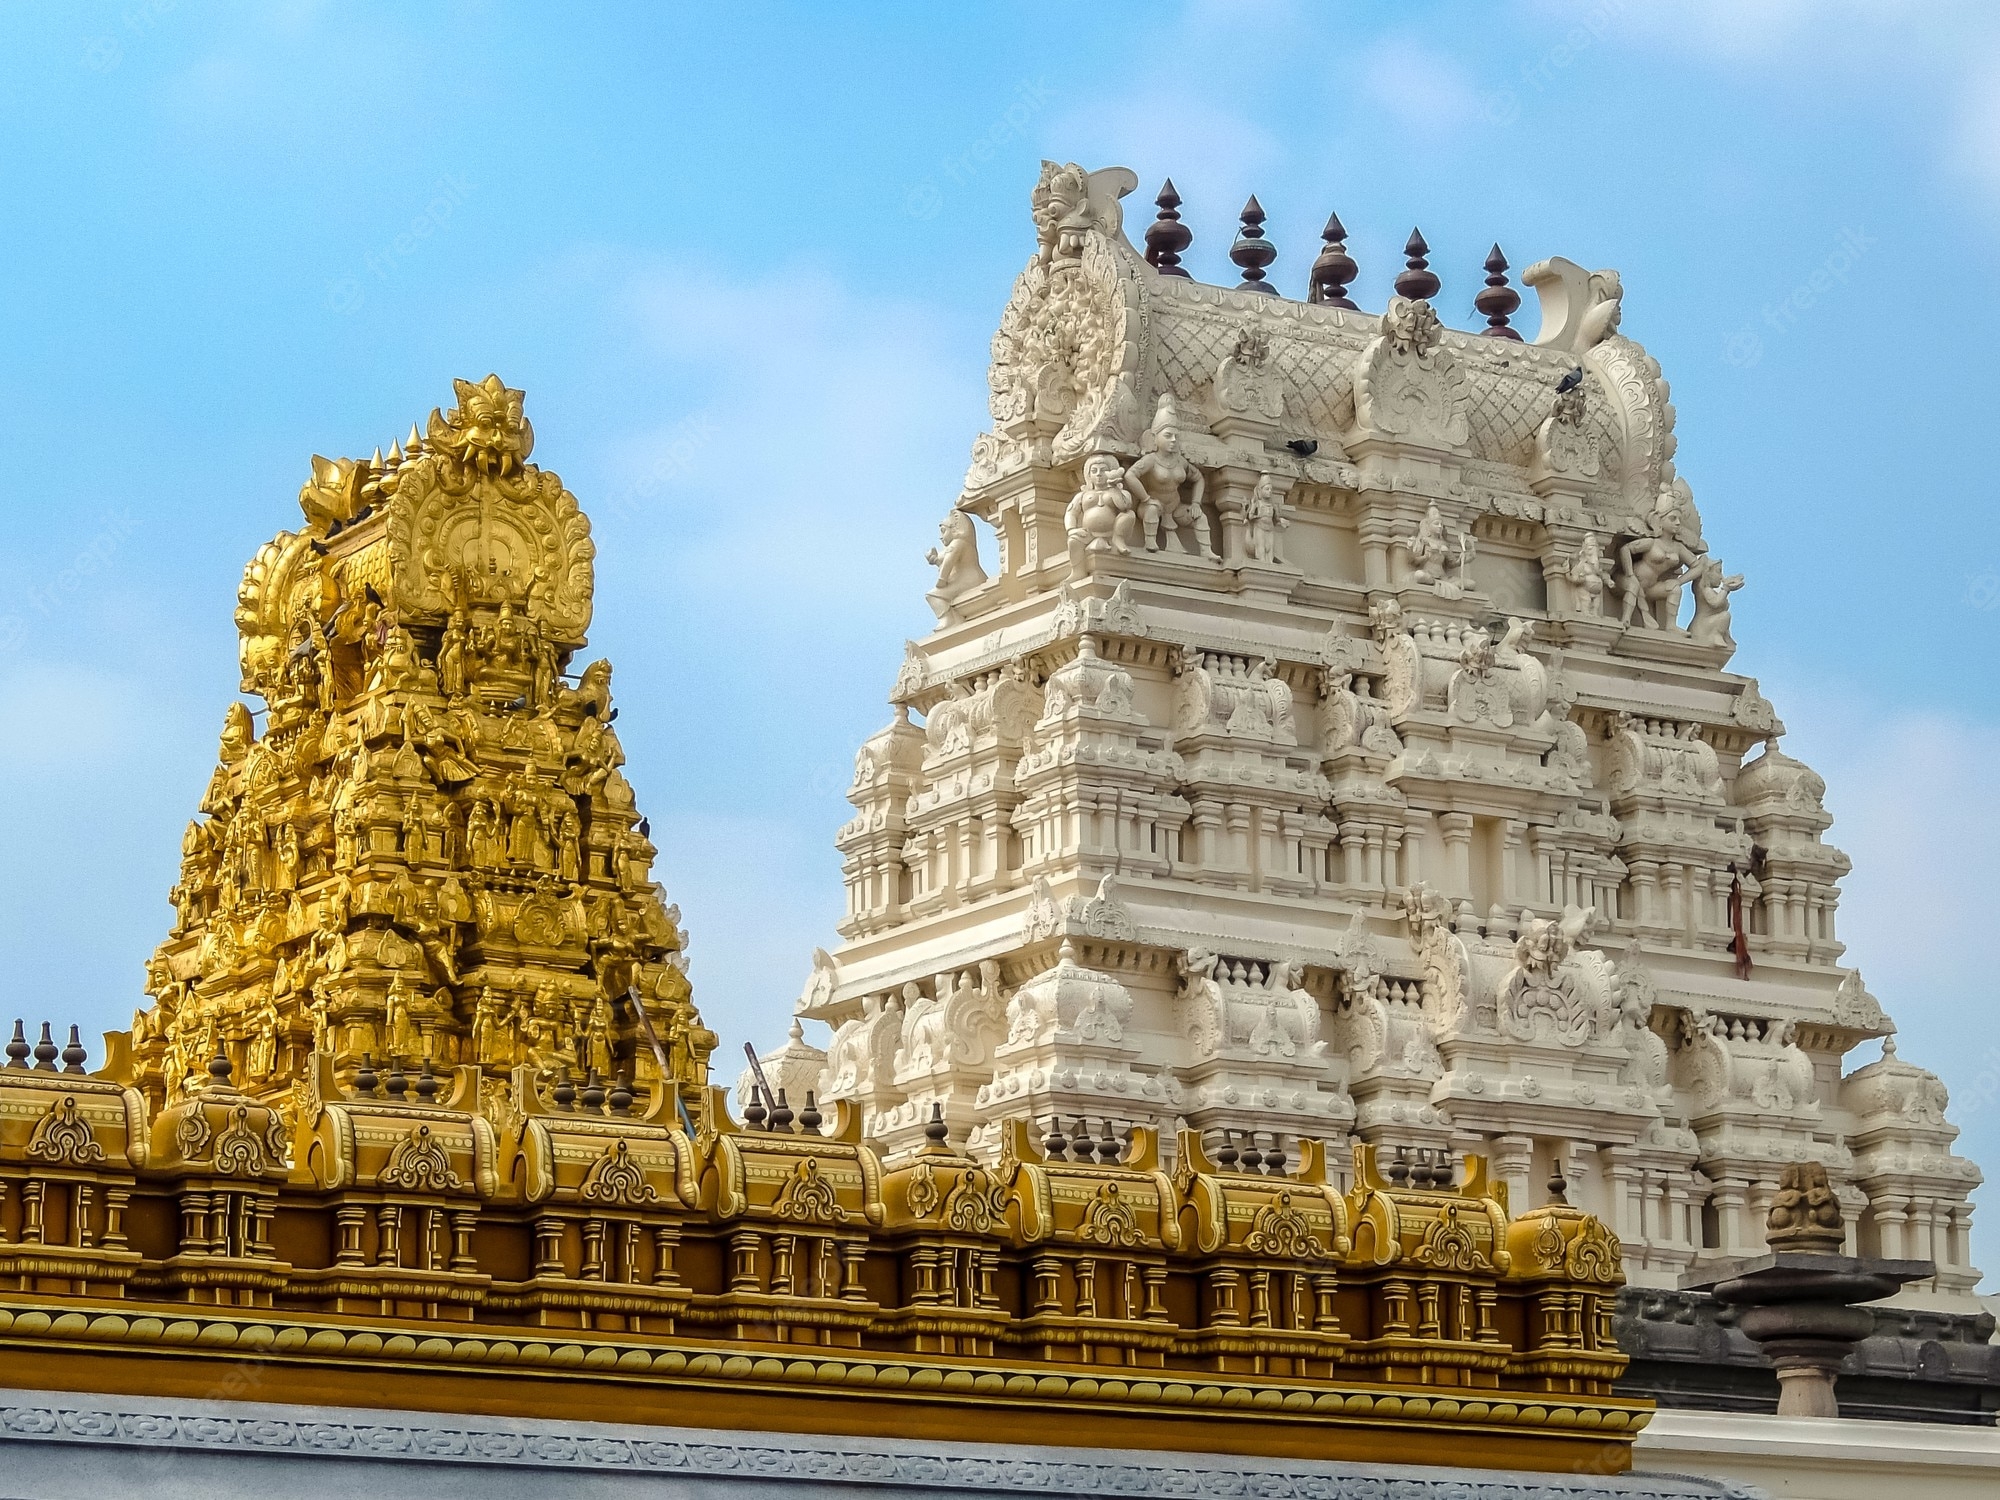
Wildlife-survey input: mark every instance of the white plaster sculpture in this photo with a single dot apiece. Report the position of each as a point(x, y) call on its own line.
point(957, 560)
point(1358, 846)
point(1168, 489)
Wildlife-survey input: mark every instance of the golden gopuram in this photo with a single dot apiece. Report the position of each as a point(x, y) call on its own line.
point(420, 1114)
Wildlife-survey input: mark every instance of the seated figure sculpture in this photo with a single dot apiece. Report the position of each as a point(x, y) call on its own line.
point(1100, 517)
point(1157, 481)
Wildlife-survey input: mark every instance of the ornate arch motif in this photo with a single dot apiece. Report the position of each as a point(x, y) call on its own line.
point(239, 1150)
point(614, 1178)
point(1448, 1245)
point(809, 1197)
point(1109, 1220)
point(1279, 1229)
point(421, 1164)
point(63, 1137)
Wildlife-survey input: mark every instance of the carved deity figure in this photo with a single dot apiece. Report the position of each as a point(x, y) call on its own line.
point(1655, 570)
point(1265, 516)
point(1168, 489)
point(957, 560)
point(1439, 559)
point(1590, 575)
point(1710, 624)
point(1805, 1214)
point(1101, 516)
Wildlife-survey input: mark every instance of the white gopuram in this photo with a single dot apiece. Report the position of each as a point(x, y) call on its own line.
point(1342, 742)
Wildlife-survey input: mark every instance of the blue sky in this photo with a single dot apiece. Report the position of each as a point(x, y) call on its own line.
point(746, 261)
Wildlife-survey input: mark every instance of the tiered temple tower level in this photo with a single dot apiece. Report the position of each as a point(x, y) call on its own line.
point(1343, 740)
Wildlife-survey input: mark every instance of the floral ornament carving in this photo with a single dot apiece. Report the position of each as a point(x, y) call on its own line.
point(62, 1137)
point(1280, 1229)
point(1408, 384)
point(809, 1197)
point(1109, 1220)
point(1595, 1255)
point(421, 1164)
point(614, 1178)
point(923, 1195)
point(976, 1204)
point(1564, 443)
point(192, 1134)
point(239, 1150)
point(1549, 1245)
point(1449, 1245)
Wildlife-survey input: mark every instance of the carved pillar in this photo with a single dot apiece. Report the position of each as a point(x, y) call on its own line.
point(1457, 830)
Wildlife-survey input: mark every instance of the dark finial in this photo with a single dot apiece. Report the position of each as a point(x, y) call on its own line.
point(398, 1082)
point(427, 1084)
point(620, 1101)
point(935, 1130)
point(592, 1097)
point(1167, 236)
point(1558, 1186)
point(1253, 1159)
point(564, 1093)
point(1497, 299)
point(18, 1049)
point(218, 1065)
point(1331, 274)
point(1252, 251)
point(1109, 1147)
point(1420, 1169)
point(1274, 1159)
point(810, 1119)
point(1226, 1156)
point(1054, 1146)
point(781, 1115)
point(1080, 1144)
point(1444, 1173)
point(73, 1055)
point(365, 1078)
point(1399, 1169)
point(754, 1113)
point(46, 1051)
point(1417, 280)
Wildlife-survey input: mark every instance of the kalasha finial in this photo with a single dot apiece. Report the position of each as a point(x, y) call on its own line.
point(1226, 1155)
point(365, 1076)
point(46, 1051)
point(1558, 1187)
point(781, 1114)
point(810, 1119)
point(1167, 236)
point(74, 1054)
point(754, 1113)
point(18, 1049)
point(935, 1129)
point(1497, 299)
point(1327, 282)
point(1055, 1146)
point(1417, 281)
point(1252, 251)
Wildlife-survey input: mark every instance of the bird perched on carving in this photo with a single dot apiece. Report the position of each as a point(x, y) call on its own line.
point(1304, 447)
point(1570, 381)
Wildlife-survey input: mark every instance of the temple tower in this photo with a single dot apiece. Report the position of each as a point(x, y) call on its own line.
point(428, 855)
point(1342, 739)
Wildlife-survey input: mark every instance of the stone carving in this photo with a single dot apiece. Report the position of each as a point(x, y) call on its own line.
point(1218, 693)
point(1101, 915)
point(1101, 515)
point(1247, 384)
point(1265, 521)
point(1580, 309)
point(1635, 996)
point(1564, 445)
point(1069, 1003)
point(1168, 489)
point(1117, 615)
point(1710, 625)
point(63, 1138)
point(1658, 561)
point(1441, 558)
point(1589, 574)
point(420, 1163)
point(1253, 1008)
point(956, 557)
point(1805, 1214)
point(1408, 384)
point(1349, 720)
point(1539, 1002)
